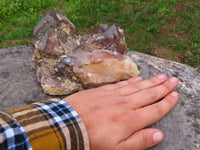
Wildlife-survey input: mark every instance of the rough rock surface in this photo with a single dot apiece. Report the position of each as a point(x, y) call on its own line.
point(66, 63)
point(19, 87)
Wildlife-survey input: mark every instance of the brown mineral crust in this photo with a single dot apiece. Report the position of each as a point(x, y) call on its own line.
point(66, 63)
point(53, 45)
point(52, 34)
point(109, 38)
point(45, 64)
point(51, 21)
point(59, 85)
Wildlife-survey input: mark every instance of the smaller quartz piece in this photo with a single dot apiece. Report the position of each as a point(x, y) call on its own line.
point(66, 63)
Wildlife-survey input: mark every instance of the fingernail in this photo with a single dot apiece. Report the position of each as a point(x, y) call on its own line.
point(173, 80)
point(157, 137)
point(174, 94)
point(161, 76)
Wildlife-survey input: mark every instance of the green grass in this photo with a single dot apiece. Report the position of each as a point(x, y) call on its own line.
point(172, 24)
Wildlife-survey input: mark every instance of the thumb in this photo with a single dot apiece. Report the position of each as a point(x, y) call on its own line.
point(143, 139)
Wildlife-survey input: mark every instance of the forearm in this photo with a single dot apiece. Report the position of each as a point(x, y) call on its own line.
point(50, 125)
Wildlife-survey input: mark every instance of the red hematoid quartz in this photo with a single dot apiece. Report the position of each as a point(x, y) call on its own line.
point(66, 62)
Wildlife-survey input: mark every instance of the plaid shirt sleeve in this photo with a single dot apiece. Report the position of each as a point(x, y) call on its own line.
point(52, 125)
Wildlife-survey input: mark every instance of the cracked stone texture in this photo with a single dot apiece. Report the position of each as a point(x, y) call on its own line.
point(19, 87)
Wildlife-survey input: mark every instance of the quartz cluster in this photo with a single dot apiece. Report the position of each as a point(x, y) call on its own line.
point(66, 62)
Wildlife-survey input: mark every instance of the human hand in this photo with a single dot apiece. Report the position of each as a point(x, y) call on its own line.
point(115, 115)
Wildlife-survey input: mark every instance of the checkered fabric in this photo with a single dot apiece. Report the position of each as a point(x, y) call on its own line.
point(12, 135)
point(50, 125)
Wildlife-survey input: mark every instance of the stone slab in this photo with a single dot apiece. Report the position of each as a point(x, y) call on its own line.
point(19, 87)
